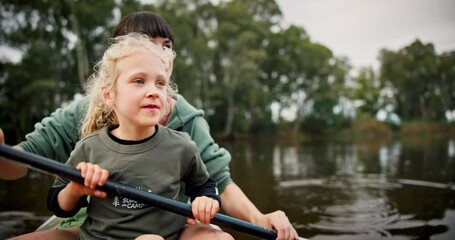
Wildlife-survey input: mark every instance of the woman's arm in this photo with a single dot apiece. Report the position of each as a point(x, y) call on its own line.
point(10, 170)
point(215, 158)
point(55, 136)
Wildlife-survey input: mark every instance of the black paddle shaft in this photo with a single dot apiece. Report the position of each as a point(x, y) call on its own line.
point(72, 174)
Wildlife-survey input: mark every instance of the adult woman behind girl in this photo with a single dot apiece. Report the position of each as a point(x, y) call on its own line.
point(55, 136)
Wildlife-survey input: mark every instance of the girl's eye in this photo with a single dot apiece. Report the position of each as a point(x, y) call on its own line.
point(138, 81)
point(161, 83)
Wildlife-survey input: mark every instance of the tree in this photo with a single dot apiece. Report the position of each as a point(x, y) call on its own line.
point(283, 68)
point(237, 61)
point(194, 28)
point(446, 77)
point(367, 90)
point(55, 38)
point(413, 72)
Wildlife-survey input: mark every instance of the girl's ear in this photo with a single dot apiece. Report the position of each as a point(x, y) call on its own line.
point(108, 97)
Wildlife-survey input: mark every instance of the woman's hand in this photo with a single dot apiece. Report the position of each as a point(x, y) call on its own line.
point(10, 170)
point(279, 221)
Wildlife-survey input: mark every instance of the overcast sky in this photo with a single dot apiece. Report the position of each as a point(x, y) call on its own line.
point(358, 29)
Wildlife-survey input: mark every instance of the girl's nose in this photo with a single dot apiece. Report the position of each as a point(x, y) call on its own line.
point(152, 94)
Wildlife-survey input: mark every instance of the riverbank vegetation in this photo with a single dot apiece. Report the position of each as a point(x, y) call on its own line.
point(237, 61)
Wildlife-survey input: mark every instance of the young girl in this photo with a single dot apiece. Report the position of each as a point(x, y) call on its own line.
point(122, 140)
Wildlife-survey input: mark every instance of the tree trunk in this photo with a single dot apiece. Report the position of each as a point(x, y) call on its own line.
point(230, 111)
point(81, 53)
point(298, 121)
point(230, 116)
point(423, 111)
point(299, 115)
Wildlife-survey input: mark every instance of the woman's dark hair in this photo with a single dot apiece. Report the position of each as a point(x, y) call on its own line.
point(147, 23)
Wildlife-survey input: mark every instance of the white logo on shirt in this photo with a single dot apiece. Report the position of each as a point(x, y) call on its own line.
point(124, 202)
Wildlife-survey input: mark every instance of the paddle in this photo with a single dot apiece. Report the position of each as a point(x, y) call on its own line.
point(72, 174)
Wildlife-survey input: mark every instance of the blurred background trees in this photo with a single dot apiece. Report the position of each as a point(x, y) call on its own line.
point(234, 59)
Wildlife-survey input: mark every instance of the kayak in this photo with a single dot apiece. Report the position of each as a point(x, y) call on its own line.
point(54, 222)
point(51, 223)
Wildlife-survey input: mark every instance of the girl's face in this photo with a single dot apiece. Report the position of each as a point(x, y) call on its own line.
point(139, 95)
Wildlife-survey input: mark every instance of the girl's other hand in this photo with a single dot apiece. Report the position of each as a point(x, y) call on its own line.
point(204, 209)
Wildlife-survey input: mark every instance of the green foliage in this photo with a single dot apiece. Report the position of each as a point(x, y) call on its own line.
point(422, 80)
point(367, 89)
point(234, 60)
point(315, 126)
point(60, 41)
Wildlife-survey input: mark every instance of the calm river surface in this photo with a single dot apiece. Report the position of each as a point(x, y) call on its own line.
point(394, 190)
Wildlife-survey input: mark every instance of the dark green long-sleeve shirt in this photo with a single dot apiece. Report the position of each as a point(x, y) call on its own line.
point(156, 165)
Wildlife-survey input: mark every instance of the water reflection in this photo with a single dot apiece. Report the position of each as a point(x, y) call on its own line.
point(23, 204)
point(396, 190)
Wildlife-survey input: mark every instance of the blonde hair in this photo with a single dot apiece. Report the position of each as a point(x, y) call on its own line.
point(99, 114)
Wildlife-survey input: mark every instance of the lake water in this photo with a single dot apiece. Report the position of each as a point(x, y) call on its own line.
point(368, 190)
